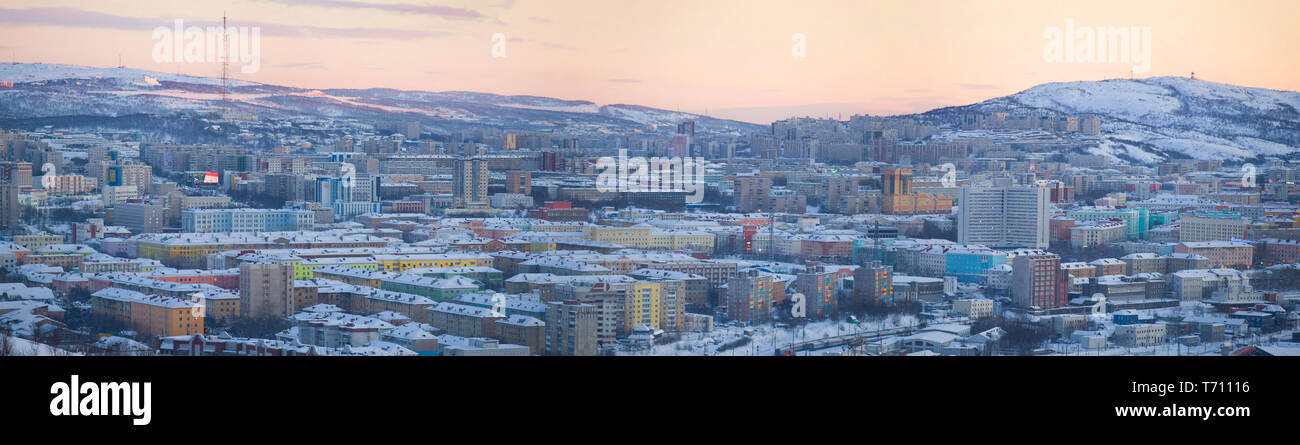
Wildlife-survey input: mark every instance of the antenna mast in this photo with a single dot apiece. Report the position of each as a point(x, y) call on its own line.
point(771, 236)
point(225, 65)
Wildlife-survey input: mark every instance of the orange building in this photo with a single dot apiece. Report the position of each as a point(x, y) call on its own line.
point(899, 199)
point(916, 204)
point(153, 315)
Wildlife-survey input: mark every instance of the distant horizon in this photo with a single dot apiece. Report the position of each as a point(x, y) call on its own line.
point(829, 106)
point(752, 61)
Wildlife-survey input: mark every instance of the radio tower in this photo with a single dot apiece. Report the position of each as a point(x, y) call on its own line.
point(225, 66)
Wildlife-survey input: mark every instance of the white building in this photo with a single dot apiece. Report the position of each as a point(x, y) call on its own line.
point(1141, 334)
point(1004, 216)
point(247, 220)
point(974, 308)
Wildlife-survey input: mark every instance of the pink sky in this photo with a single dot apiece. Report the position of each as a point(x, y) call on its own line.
point(732, 58)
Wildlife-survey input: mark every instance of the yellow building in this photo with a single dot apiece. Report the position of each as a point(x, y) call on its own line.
point(220, 305)
point(643, 236)
point(355, 276)
point(400, 263)
point(34, 242)
point(305, 270)
point(642, 306)
point(191, 250)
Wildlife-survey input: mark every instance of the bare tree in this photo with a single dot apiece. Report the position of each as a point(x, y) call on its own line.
point(5, 348)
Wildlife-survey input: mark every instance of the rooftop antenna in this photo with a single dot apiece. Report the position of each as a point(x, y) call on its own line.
point(1193, 75)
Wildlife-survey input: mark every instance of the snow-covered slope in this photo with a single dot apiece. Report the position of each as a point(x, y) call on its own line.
point(42, 91)
point(1162, 117)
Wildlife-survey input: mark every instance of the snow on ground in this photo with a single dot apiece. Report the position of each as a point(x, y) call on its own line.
point(40, 72)
point(24, 347)
point(584, 108)
point(767, 338)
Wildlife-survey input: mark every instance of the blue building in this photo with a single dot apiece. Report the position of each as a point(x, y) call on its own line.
point(970, 265)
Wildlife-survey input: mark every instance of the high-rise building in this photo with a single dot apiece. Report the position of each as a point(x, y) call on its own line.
point(749, 297)
point(9, 208)
point(752, 192)
point(835, 189)
point(17, 173)
point(683, 143)
point(331, 190)
point(820, 289)
point(896, 181)
point(519, 182)
point(1090, 125)
point(571, 328)
point(872, 283)
point(899, 199)
point(127, 173)
point(266, 290)
point(1037, 279)
point(140, 217)
point(470, 183)
point(1004, 216)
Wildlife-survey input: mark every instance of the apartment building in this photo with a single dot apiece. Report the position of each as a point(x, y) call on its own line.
point(246, 220)
point(1212, 227)
point(749, 297)
point(266, 290)
point(1004, 216)
point(1038, 280)
point(154, 315)
point(571, 328)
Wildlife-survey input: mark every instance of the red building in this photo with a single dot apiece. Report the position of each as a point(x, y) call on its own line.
point(559, 211)
point(225, 279)
point(1279, 251)
point(1059, 229)
point(1037, 279)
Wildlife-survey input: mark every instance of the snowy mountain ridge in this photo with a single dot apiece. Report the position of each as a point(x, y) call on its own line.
point(1143, 120)
point(48, 91)
point(1154, 119)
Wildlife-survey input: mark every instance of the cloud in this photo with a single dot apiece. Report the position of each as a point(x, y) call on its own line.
point(297, 65)
point(555, 46)
point(448, 12)
point(79, 18)
point(625, 80)
point(978, 86)
point(537, 19)
point(75, 18)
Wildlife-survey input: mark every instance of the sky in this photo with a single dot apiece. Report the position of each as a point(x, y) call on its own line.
point(754, 60)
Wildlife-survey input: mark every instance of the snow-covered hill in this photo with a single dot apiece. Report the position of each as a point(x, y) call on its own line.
point(1152, 119)
point(1143, 120)
point(50, 91)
